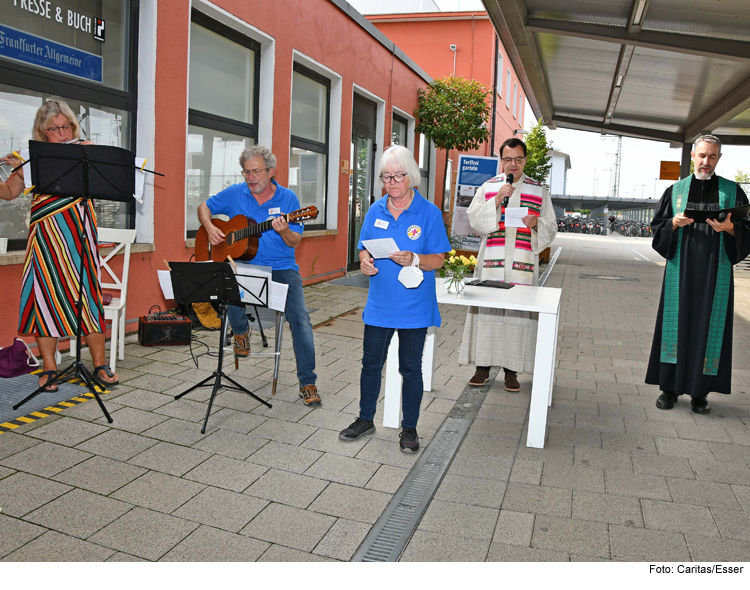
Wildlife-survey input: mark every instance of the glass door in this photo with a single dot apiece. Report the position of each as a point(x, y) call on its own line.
point(362, 154)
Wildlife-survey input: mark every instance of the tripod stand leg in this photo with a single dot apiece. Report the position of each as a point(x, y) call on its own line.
point(247, 391)
point(277, 360)
point(201, 384)
point(56, 379)
point(217, 386)
point(86, 377)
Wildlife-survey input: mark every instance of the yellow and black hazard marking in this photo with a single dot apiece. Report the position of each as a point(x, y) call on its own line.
point(54, 409)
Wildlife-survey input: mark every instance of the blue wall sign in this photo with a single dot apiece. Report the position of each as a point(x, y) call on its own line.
point(30, 49)
point(476, 170)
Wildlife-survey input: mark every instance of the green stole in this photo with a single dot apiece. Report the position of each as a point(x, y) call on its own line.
point(680, 192)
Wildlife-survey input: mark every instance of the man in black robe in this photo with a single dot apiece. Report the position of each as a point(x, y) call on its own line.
point(692, 348)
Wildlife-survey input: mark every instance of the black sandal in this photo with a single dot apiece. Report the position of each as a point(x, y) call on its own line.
point(108, 372)
point(50, 376)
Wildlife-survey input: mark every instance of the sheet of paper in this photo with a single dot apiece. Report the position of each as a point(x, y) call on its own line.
point(381, 248)
point(165, 282)
point(513, 216)
point(254, 270)
point(277, 299)
point(467, 190)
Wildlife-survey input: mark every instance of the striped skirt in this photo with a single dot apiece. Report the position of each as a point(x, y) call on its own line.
point(51, 270)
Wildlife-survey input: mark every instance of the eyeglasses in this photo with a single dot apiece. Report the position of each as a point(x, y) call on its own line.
point(57, 129)
point(392, 177)
point(256, 172)
point(517, 160)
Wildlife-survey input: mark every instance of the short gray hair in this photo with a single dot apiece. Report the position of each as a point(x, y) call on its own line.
point(708, 139)
point(397, 157)
point(256, 151)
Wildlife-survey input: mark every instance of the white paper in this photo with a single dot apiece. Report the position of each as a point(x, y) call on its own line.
point(253, 270)
point(381, 248)
point(514, 215)
point(165, 282)
point(466, 190)
point(277, 299)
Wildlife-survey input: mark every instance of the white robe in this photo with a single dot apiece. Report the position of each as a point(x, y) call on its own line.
point(495, 337)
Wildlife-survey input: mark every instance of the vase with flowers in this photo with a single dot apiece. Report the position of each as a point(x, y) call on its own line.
point(454, 270)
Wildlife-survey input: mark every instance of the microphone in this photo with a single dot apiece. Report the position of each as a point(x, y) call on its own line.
point(509, 180)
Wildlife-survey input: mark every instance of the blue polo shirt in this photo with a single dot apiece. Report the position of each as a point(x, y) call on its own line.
point(238, 200)
point(419, 229)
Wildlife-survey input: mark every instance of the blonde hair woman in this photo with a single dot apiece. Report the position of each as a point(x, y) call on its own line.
point(51, 269)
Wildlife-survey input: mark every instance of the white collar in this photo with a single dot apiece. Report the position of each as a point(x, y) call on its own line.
point(698, 178)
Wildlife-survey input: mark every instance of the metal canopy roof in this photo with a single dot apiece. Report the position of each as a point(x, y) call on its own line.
point(657, 69)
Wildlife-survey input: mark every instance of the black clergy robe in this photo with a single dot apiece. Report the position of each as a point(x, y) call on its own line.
point(699, 260)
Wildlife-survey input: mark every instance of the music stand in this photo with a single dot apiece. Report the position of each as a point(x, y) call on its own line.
point(80, 171)
point(196, 282)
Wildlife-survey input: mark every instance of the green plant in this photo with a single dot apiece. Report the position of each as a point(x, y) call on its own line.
point(538, 160)
point(742, 177)
point(453, 113)
point(457, 266)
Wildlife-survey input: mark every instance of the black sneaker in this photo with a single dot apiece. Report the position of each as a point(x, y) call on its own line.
point(357, 429)
point(409, 442)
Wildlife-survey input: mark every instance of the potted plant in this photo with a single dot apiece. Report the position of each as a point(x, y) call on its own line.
point(454, 271)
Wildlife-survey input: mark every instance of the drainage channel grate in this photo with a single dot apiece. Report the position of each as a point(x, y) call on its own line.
point(609, 278)
point(390, 534)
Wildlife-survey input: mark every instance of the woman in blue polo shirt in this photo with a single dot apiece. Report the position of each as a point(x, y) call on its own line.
point(394, 302)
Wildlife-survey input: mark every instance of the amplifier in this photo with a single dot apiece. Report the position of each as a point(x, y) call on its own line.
point(164, 330)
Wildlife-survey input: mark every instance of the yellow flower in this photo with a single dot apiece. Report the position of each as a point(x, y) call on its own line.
point(472, 260)
point(464, 260)
point(452, 253)
point(452, 259)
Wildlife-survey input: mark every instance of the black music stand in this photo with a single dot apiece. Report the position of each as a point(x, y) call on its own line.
point(196, 282)
point(77, 170)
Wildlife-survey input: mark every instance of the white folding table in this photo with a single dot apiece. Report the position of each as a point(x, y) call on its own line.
point(543, 300)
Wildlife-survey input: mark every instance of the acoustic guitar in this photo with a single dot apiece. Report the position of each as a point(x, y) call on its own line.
point(242, 235)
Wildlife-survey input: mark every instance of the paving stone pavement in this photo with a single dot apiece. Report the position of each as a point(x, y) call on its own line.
point(617, 480)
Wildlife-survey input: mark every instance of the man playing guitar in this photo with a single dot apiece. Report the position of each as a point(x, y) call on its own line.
point(260, 197)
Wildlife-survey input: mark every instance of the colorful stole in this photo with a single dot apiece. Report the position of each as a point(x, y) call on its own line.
point(680, 192)
point(522, 257)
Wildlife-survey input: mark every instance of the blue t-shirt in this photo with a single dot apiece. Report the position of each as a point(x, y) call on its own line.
point(419, 229)
point(238, 200)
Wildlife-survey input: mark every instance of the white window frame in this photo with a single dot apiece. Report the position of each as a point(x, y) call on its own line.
point(507, 89)
point(411, 125)
point(334, 130)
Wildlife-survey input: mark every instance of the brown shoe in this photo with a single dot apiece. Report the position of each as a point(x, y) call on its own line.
point(242, 344)
point(309, 395)
point(511, 381)
point(480, 377)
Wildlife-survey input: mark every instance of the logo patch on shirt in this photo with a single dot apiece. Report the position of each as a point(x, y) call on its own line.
point(414, 232)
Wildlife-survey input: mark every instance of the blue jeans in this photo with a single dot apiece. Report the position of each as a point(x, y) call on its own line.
point(299, 323)
point(375, 350)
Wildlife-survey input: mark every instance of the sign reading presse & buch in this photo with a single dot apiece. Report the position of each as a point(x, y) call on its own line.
point(26, 47)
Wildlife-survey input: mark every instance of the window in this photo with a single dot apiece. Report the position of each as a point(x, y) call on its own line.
point(308, 159)
point(101, 92)
point(424, 165)
point(520, 109)
point(223, 105)
point(399, 130)
point(447, 188)
point(507, 89)
point(515, 100)
point(499, 71)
